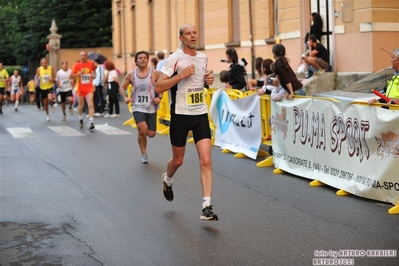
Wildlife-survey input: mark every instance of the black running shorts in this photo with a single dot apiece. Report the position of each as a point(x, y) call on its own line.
point(64, 95)
point(44, 93)
point(180, 125)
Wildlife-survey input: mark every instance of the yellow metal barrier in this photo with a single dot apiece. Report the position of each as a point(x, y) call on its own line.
point(163, 115)
point(247, 93)
point(212, 125)
point(234, 94)
point(131, 121)
point(265, 115)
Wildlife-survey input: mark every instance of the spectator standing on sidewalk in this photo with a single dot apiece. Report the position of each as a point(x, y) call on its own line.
point(161, 60)
point(111, 81)
point(99, 86)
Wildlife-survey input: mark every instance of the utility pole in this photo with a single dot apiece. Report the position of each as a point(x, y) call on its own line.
point(251, 38)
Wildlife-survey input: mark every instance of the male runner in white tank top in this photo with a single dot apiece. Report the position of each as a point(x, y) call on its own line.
point(65, 85)
point(144, 100)
point(184, 73)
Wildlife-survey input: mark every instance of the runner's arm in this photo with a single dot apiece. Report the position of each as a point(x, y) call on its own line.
point(165, 83)
point(74, 73)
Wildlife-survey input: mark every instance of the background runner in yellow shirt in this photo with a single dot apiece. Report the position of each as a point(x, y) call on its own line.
point(3, 85)
point(47, 77)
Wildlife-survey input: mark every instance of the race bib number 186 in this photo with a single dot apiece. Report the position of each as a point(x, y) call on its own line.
point(195, 97)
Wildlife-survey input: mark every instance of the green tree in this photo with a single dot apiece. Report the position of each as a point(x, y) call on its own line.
point(84, 23)
point(9, 30)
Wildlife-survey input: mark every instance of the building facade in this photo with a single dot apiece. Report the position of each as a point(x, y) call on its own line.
point(356, 32)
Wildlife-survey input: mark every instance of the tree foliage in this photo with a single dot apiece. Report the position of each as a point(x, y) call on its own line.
point(26, 25)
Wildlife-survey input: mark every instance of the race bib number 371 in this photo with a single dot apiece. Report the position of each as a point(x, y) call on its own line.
point(195, 97)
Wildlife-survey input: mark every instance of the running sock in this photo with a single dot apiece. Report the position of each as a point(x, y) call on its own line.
point(64, 113)
point(91, 119)
point(80, 117)
point(16, 103)
point(206, 201)
point(168, 180)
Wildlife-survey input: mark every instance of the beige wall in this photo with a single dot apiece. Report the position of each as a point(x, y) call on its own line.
point(72, 55)
point(355, 43)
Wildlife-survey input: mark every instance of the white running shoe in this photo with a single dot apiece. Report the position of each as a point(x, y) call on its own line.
point(97, 114)
point(91, 125)
point(115, 115)
point(107, 115)
point(47, 118)
point(144, 158)
point(63, 117)
point(70, 111)
point(52, 109)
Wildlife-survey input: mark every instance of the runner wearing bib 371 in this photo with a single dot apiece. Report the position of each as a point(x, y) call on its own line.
point(47, 77)
point(16, 89)
point(84, 72)
point(3, 85)
point(187, 69)
point(144, 100)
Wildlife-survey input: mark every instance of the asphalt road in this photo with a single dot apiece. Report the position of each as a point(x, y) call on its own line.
point(87, 200)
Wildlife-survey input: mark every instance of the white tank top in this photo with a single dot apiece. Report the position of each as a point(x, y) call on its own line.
point(143, 93)
point(64, 80)
point(15, 82)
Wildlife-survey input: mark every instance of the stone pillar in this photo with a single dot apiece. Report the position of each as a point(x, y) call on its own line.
point(54, 41)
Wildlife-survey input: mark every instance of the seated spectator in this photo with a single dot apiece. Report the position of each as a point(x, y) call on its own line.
point(317, 57)
point(265, 68)
point(224, 78)
point(258, 67)
point(237, 71)
point(286, 76)
point(271, 84)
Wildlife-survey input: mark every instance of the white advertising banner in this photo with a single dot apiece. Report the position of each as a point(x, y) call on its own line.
point(238, 123)
point(347, 146)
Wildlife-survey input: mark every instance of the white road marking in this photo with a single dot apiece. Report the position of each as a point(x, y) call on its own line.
point(110, 130)
point(66, 131)
point(21, 132)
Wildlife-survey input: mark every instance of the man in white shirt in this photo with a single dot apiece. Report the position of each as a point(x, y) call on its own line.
point(184, 73)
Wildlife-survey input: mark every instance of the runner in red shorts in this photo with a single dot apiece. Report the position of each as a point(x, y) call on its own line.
point(84, 72)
